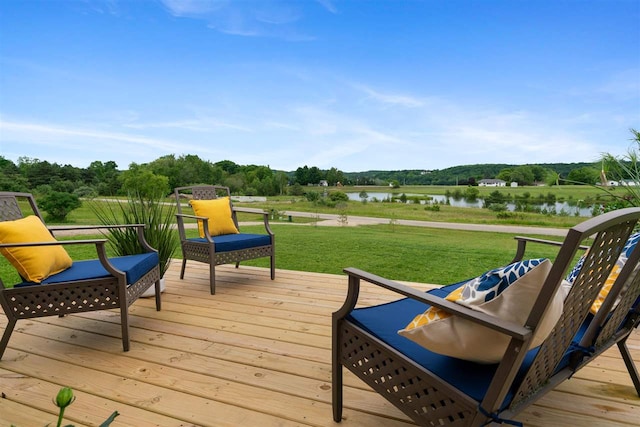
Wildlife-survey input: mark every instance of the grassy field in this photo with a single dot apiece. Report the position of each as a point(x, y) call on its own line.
point(403, 253)
point(398, 252)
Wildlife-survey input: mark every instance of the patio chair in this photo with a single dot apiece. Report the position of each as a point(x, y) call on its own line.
point(491, 382)
point(220, 241)
point(52, 284)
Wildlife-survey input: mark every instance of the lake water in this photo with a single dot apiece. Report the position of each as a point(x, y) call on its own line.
point(478, 203)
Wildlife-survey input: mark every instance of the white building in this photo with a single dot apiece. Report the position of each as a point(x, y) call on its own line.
point(492, 183)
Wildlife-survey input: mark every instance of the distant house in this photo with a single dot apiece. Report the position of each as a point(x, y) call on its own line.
point(622, 183)
point(323, 183)
point(492, 183)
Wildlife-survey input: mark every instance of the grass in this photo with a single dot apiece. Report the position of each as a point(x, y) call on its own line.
point(405, 253)
point(398, 252)
point(418, 212)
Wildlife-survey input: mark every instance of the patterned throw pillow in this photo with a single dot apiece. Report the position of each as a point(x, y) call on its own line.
point(507, 293)
point(476, 291)
point(615, 272)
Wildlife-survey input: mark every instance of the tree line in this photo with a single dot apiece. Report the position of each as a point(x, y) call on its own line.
point(162, 175)
point(170, 171)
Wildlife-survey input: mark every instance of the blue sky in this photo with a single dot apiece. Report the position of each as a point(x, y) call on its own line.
point(351, 84)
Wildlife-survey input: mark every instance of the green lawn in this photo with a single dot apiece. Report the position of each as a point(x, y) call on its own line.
point(398, 252)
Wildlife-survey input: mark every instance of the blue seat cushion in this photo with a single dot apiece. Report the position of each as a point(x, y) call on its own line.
point(384, 321)
point(135, 266)
point(237, 242)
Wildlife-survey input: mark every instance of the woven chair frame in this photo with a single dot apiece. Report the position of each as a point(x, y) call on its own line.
point(430, 401)
point(599, 262)
point(204, 251)
point(71, 297)
point(405, 384)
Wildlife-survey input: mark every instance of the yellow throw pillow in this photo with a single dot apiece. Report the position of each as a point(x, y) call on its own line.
point(219, 213)
point(457, 337)
point(34, 263)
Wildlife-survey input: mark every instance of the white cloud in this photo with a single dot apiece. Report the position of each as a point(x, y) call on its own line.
point(328, 5)
point(248, 18)
point(390, 98)
point(193, 8)
point(195, 125)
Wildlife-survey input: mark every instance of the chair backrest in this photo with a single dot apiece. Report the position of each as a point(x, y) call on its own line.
point(610, 233)
point(200, 192)
point(10, 208)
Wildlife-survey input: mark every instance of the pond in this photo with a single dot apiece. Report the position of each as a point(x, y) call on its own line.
point(570, 209)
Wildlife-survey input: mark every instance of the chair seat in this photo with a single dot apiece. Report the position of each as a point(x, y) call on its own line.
point(135, 266)
point(237, 242)
point(383, 321)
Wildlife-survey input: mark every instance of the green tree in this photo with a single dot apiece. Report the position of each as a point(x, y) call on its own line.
point(335, 176)
point(471, 193)
point(302, 175)
point(523, 175)
point(281, 180)
point(58, 205)
point(105, 177)
point(584, 176)
point(10, 177)
point(140, 180)
point(505, 174)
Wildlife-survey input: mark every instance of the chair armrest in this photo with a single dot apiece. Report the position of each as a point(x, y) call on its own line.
point(57, 243)
point(100, 228)
point(355, 275)
point(265, 216)
point(182, 216)
point(91, 227)
point(522, 246)
point(250, 210)
point(205, 224)
point(100, 245)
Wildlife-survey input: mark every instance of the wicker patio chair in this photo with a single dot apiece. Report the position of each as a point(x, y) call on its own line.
point(434, 389)
point(89, 285)
point(227, 244)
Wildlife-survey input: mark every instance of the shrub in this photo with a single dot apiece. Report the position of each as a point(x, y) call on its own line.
point(498, 207)
point(339, 196)
point(296, 190)
point(312, 196)
point(58, 205)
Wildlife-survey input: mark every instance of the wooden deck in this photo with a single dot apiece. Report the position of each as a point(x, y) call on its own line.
point(255, 354)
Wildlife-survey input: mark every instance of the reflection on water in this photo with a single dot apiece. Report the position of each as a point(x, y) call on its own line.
point(558, 207)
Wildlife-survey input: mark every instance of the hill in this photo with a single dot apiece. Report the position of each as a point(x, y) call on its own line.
point(453, 175)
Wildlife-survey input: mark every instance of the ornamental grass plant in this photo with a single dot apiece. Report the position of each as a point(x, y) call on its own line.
point(156, 215)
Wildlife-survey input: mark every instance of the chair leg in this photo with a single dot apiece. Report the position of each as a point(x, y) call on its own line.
point(212, 278)
point(631, 367)
point(184, 264)
point(5, 337)
point(124, 323)
point(273, 267)
point(158, 300)
point(336, 376)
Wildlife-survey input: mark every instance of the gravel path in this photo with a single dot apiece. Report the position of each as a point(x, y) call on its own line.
point(334, 220)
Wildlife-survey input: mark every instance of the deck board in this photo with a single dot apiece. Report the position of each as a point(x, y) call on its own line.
point(255, 354)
